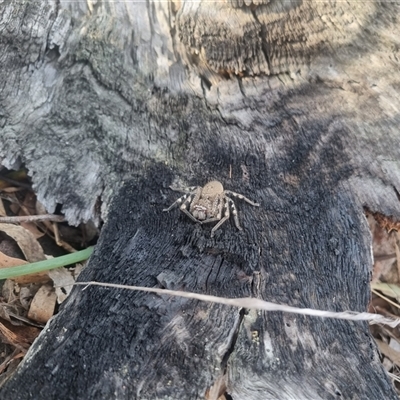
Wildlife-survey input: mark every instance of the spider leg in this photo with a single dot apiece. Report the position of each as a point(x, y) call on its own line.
point(196, 196)
point(182, 200)
point(241, 197)
point(185, 190)
point(183, 209)
point(235, 214)
point(225, 208)
point(206, 221)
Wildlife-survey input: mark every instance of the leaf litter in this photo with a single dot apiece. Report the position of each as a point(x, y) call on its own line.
point(385, 287)
point(28, 234)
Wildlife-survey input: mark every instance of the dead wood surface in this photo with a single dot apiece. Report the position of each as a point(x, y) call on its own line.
point(292, 104)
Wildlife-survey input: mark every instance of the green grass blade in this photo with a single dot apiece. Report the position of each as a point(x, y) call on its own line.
point(45, 265)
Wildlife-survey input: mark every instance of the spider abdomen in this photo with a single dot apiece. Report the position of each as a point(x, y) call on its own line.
point(212, 189)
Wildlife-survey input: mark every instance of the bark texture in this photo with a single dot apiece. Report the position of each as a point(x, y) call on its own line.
point(294, 104)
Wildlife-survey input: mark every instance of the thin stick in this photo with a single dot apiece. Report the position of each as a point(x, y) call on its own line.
point(16, 183)
point(385, 298)
point(257, 304)
point(66, 246)
point(32, 218)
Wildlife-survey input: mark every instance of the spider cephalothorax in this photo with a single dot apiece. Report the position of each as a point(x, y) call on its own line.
point(210, 203)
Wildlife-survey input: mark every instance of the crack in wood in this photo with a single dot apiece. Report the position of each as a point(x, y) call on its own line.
point(225, 358)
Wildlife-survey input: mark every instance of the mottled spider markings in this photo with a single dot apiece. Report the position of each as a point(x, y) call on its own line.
point(210, 203)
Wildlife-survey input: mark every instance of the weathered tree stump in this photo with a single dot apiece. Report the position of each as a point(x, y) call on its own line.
point(292, 104)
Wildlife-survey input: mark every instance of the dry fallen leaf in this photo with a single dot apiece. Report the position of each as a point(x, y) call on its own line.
point(38, 277)
point(388, 289)
point(63, 282)
point(2, 209)
point(43, 304)
point(26, 242)
point(6, 261)
point(389, 352)
point(19, 336)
